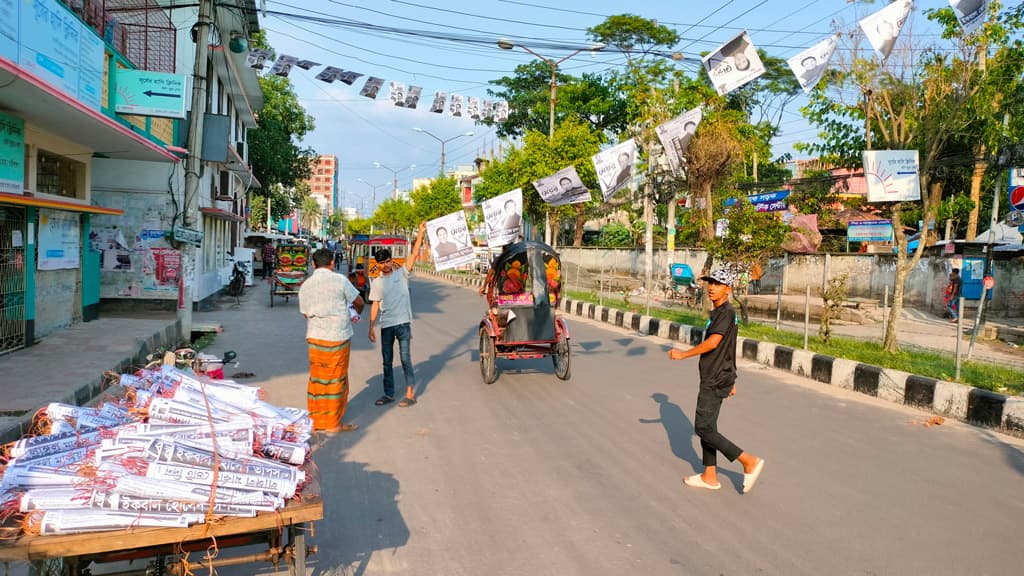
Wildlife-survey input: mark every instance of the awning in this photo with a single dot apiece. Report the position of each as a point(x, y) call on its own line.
point(222, 214)
point(19, 200)
point(238, 166)
point(40, 104)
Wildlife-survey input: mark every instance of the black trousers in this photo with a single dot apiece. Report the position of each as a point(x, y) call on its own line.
point(705, 424)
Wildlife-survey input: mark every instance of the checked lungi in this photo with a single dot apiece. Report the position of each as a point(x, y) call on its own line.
point(327, 394)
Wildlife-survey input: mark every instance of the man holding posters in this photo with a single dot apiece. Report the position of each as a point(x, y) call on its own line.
point(449, 240)
point(614, 167)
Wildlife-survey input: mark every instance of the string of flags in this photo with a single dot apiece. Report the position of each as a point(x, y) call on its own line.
point(401, 96)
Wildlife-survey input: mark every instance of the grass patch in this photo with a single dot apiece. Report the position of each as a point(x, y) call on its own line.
point(929, 363)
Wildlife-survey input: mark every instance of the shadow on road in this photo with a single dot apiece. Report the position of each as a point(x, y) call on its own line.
point(679, 431)
point(1014, 454)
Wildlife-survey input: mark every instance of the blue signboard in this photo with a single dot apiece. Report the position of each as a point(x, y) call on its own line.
point(56, 46)
point(147, 93)
point(9, 29)
point(869, 231)
point(90, 73)
point(768, 202)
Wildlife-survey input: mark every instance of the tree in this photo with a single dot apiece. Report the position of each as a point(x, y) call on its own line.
point(274, 151)
point(436, 200)
point(309, 214)
point(395, 215)
point(334, 225)
point(358, 226)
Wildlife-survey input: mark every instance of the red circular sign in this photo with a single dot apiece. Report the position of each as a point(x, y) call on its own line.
point(988, 282)
point(1017, 197)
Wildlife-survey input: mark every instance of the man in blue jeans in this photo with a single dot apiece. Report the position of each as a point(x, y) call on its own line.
point(389, 295)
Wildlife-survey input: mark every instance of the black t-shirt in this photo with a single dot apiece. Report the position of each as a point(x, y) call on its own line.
point(955, 283)
point(718, 367)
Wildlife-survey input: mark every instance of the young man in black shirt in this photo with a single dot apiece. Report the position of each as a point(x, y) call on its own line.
point(717, 382)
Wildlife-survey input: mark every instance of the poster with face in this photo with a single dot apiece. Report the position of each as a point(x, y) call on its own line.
point(562, 187)
point(883, 27)
point(971, 13)
point(614, 167)
point(397, 93)
point(307, 64)
point(503, 216)
point(473, 107)
point(449, 241)
point(675, 136)
point(437, 107)
point(283, 66)
point(257, 58)
point(329, 74)
point(734, 64)
point(349, 77)
point(486, 109)
point(810, 65)
point(412, 98)
point(500, 111)
point(455, 108)
point(372, 87)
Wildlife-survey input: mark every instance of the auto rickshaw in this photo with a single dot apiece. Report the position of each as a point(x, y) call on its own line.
point(523, 290)
point(292, 270)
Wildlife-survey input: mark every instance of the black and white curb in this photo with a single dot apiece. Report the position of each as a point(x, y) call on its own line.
point(949, 399)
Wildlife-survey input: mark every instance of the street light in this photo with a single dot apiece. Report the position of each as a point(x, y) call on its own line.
point(443, 142)
point(394, 194)
point(506, 44)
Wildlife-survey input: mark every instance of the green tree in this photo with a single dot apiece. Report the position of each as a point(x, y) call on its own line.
point(436, 200)
point(309, 215)
point(358, 226)
point(335, 225)
point(395, 216)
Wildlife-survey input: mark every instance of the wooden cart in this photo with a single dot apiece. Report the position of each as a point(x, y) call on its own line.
point(283, 532)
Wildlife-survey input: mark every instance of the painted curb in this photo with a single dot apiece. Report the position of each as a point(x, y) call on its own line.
point(950, 399)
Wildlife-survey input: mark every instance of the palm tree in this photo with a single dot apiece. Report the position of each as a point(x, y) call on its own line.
point(310, 210)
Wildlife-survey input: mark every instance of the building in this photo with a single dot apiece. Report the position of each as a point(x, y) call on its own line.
point(140, 257)
point(323, 184)
point(60, 69)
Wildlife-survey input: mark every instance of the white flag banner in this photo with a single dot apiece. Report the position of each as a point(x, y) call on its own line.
point(675, 136)
point(329, 74)
point(500, 111)
point(437, 107)
point(503, 215)
point(810, 65)
point(614, 167)
point(734, 64)
point(883, 27)
point(562, 187)
point(473, 107)
point(449, 241)
point(487, 110)
point(349, 77)
point(397, 93)
point(455, 107)
point(971, 13)
point(412, 98)
point(283, 65)
point(257, 58)
point(307, 64)
point(892, 175)
point(372, 87)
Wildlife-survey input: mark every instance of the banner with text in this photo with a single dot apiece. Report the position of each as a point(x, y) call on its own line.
point(449, 241)
point(734, 64)
point(614, 167)
point(503, 216)
point(562, 187)
point(892, 175)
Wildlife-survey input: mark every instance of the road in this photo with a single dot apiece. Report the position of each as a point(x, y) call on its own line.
point(536, 476)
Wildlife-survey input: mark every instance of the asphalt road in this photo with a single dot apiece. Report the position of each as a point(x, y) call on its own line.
point(533, 475)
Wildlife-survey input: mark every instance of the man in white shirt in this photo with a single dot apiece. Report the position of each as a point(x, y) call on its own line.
point(324, 299)
point(389, 297)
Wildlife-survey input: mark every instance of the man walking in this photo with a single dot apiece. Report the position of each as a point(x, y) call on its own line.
point(717, 382)
point(953, 290)
point(324, 300)
point(389, 298)
point(268, 255)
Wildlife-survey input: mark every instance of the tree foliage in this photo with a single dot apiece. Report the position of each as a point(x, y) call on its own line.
point(395, 216)
point(436, 200)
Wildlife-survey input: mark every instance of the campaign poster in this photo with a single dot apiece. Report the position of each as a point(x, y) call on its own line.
point(455, 106)
point(562, 187)
point(882, 28)
point(167, 267)
point(675, 136)
point(371, 87)
point(614, 167)
point(437, 107)
point(892, 175)
point(810, 65)
point(503, 216)
point(412, 97)
point(397, 93)
point(59, 240)
point(283, 66)
point(734, 64)
point(970, 13)
point(449, 241)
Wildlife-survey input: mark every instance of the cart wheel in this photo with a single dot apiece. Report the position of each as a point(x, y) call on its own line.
point(271, 292)
point(488, 361)
point(560, 358)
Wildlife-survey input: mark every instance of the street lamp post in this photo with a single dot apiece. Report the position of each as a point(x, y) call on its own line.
point(394, 173)
point(443, 142)
point(506, 44)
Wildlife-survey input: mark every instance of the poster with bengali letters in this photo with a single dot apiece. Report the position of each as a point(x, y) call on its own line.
point(60, 243)
point(503, 216)
point(449, 241)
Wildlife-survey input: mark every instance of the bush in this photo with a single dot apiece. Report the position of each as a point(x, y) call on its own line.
point(616, 235)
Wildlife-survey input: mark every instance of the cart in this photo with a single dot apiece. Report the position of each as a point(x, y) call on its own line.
point(292, 270)
point(282, 532)
point(683, 288)
point(522, 290)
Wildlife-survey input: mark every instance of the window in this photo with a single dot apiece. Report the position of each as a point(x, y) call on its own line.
point(59, 176)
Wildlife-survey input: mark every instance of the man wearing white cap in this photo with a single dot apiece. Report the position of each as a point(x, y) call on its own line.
point(717, 382)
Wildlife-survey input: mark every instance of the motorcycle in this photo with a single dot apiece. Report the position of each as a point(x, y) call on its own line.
point(238, 273)
point(204, 364)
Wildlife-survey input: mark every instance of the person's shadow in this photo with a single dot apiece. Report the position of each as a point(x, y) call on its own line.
point(679, 430)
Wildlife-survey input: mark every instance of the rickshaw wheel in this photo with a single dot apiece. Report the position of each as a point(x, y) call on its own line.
point(560, 358)
point(488, 361)
point(271, 293)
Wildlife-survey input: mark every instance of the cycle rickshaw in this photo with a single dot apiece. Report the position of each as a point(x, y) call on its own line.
point(292, 270)
point(522, 290)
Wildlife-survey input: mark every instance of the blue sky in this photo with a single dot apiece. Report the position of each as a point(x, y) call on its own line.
point(451, 46)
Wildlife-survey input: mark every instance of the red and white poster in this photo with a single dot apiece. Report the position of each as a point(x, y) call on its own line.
point(168, 267)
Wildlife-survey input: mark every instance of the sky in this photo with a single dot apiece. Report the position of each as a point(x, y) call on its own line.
point(450, 46)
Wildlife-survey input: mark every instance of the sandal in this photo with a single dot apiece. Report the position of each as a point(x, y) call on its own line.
point(384, 400)
point(406, 402)
point(697, 481)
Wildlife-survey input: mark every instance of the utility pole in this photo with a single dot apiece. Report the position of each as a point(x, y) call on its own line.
point(193, 162)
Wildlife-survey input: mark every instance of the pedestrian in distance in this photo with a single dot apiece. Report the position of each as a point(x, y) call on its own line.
point(717, 382)
point(389, 301)
point(953, 291)
point(269, 255)
point(325, 299)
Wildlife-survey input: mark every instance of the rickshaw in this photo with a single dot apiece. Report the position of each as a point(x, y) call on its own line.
point(358, 258)
point(684, 286)
point(364, 259)
point(292, 270)
point(522, 290)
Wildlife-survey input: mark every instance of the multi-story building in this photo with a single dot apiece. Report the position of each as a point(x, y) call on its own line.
point(323, 183)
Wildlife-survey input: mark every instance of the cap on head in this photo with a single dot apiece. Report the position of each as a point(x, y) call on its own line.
point(721, 275)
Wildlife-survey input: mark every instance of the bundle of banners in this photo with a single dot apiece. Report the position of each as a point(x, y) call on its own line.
point(171, 451)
